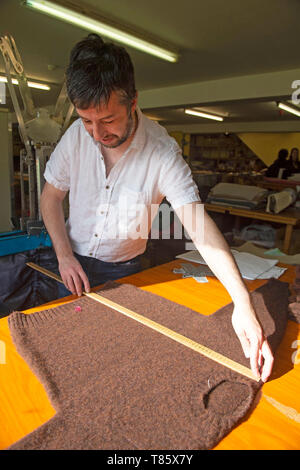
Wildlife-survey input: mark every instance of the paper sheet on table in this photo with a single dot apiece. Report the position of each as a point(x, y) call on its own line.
point(250, 266)
point(275, 272)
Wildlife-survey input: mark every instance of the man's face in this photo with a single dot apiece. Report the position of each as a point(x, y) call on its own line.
point(109, 124)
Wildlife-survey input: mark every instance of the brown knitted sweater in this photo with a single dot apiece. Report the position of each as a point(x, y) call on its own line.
point(117, 384)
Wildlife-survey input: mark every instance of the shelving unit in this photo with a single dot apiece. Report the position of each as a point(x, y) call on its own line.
point(216, 158)
point(219, 151)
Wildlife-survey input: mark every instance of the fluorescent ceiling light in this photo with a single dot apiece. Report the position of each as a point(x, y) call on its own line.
point(289, 109)
point(153, 118)
point(40, 86)
point(204, 115)
point(90, 24)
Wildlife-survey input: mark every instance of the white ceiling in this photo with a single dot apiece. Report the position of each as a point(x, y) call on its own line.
point(237, 58)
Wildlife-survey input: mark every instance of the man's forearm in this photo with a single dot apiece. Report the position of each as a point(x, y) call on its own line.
point(216, 252)
point(219, 258)
point(53, 216)
point(72, 274)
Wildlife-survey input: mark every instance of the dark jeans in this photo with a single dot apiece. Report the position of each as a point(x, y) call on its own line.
point(99, 271)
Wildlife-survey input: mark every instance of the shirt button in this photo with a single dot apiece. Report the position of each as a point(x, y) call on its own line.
point(96, 235)
point(107, 187)
point(91, 254)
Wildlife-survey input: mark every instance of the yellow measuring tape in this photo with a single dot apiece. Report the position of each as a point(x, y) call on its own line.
point(211, 354)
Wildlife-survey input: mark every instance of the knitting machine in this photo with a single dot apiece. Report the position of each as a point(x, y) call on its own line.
point(39, 131)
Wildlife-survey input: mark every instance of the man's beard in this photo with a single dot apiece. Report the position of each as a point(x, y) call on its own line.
point(128, 132)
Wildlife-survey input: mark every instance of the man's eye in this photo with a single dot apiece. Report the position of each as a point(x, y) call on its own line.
point(107, 122)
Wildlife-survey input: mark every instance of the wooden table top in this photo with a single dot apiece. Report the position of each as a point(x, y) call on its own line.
point(290, 215)
point(274, 423)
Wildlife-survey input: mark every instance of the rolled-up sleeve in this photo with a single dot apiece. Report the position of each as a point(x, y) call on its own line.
point(57, 172)
point(176, 182)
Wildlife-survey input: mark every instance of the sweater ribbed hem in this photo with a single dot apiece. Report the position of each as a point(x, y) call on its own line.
point(19, 320)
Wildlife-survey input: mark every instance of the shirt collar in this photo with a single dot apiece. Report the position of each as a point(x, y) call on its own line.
point(139, 136)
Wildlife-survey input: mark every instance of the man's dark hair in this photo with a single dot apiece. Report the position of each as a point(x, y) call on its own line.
point(95, 70)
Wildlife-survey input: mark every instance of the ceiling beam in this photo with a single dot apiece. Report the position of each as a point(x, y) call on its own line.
point(249, 87)
point(236, 127)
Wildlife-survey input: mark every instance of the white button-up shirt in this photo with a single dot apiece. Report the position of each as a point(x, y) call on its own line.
point(110, 217)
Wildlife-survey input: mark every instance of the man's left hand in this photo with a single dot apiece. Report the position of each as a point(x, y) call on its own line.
point(254, 345)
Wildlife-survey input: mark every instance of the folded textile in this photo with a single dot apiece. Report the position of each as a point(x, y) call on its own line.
point(237, 195)
point(258, 232)
point(117, 384)
point(277, 202)
point(238, 191)
point(233, 202)
point(198, 273)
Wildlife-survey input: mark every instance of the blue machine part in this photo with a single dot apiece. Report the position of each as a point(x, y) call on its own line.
point(19, 241)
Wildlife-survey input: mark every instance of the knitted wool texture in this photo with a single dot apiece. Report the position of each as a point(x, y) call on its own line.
point(117, 384)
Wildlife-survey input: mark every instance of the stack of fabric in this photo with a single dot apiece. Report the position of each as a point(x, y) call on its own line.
point(238, 195)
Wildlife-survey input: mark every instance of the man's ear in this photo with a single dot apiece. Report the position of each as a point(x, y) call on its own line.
point(134, 102)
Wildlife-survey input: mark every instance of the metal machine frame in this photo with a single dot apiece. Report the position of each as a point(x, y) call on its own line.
point(39, 132)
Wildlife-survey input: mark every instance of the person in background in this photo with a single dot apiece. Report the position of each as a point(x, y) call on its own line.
point(293, 161)
point(279, 168)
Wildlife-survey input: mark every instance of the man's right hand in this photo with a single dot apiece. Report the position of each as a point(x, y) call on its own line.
point(73, 275)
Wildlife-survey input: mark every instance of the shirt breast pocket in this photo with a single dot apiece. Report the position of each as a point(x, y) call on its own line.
point(133, 213)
